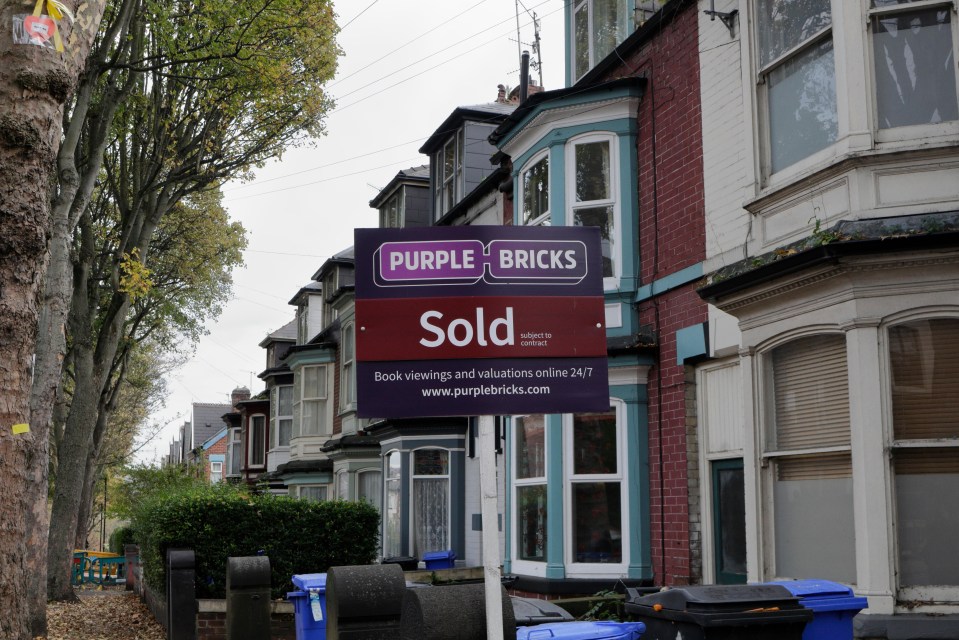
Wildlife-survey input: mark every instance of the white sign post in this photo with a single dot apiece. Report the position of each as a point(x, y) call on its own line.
point(490, 533)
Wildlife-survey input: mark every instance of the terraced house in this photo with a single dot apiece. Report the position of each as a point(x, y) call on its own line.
point(830, 131)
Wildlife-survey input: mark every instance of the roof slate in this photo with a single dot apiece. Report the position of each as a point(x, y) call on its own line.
point(207, 421)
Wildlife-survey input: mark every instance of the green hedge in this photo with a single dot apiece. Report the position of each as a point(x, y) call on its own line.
point(120, 537)
point(218, 522)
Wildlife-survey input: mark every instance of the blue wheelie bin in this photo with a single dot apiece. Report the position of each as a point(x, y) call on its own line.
point(599, 630)
point(833, 605)
point(309, 606)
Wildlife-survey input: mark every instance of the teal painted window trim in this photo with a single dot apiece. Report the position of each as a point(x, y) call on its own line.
point(217, 457)
point(636, 478)
point(723, 576)
point(324, 356)
point(625, 129)
point(637, 470)
point(561, 135)
point(691, 342)
point(555, 543)
point(669, 282)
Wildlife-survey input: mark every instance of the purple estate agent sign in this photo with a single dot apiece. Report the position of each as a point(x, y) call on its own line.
point(436, 278)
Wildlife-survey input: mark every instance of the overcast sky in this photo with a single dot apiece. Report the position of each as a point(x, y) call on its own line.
point(406, 65)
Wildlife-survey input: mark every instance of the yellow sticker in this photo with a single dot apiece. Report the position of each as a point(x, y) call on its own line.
point(20, 429)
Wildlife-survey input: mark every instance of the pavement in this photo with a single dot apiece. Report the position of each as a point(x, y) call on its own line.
point(109, 613)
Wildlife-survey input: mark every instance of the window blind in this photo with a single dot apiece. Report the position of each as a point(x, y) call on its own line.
point(810, 393)
point(924, 359)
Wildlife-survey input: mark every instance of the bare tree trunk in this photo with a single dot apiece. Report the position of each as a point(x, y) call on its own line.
point(86, 501)
point(34, 84)
point(92, 473)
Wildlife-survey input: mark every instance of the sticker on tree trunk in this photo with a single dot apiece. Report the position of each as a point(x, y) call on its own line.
point(41, 30)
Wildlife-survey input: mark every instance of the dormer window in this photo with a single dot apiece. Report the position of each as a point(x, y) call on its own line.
point(598, 27)
point(302, 324)
point(391, 212)
point(329, 290)
point(448, 163)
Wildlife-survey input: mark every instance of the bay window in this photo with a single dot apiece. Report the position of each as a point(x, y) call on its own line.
point(368, 487)
point(924, 368)
point(592, 185)
point(347, 372)
point(431, 501)
point(314, 493)
point(529, 487)
point(808, 460)
point(256, 454)
point(342, 485)
point(281, 405)
point(594, 470)
point(535, 184)
point(310, 403)
point(797, 73)
point(235, 452)
point(914, 62)
point(393, 496)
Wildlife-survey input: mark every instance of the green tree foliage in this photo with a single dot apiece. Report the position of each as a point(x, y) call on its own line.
point(139, 484)
point(200, 91)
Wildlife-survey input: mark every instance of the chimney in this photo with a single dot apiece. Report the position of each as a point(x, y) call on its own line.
point(524, 77)
point(500, 93)
point(239, 395)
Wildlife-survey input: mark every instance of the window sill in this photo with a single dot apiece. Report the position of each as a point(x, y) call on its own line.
point(830, 164)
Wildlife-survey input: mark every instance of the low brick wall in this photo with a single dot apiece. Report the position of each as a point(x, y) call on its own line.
point(211, 616)
point(211, 620)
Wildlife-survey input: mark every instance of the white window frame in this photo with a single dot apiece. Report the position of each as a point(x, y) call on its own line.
point(543, 219)
point(519, 565)
point(325, 427)
point(456, 180)
point(347, 367)
point(935, 593)
point(234, 451)
point(398, 481)
point(303, 322)
point(768, 455)
point(359, 484)
point(392, 211)
point(572, 206)
point(588, 569)
point(277, 417)
point(216, 469)
point(594, 57)
point(330, 285)
point(342, 492)
point(250, 460)
point(916, 131)
point(449, 493)
point(762, 72)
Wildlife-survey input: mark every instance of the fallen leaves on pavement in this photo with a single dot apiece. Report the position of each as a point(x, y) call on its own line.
point(103, 615)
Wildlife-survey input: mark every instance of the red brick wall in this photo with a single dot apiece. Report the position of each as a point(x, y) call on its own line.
point(212, 626)
point(672, 237)
point(218, 447)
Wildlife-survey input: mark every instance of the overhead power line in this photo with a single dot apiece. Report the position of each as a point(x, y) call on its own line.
point(358, 15)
